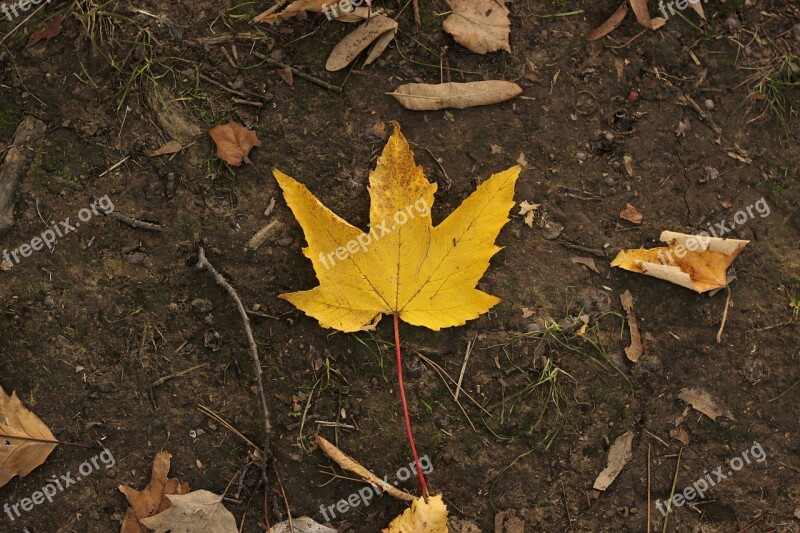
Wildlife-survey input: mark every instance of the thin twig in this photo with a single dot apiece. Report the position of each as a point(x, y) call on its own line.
point(202, 262)
point(648, 487)
point(470, 344)
point(724, 316)
point(134, 223)
point(308, 77)
point(672, 492)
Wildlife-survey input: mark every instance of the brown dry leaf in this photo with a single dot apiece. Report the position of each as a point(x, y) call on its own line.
point(358, 40)
point(618, 456)
point(680, 435)
point(431, 97)
point(527, 312)
point(172, 147)
point(609, 25)
point(692, 261)
point(480, 26)
point(631, 214)
point(196, 512)
point(348, 463)
point(301, 525)
point(585, 261)
point(47, 31)
point(19, 455)
point(508, 522)
point(705, 403)
point(152, 500)
point(422, 517)
point(286, 75)
point(529, 210)
point(234, 142)
point(635, 350)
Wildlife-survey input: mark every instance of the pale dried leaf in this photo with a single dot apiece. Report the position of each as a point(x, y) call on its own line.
point(635, 350)
point(585, 261)
point(430, 97)
point(529, 210)
point(18, 455)
point(609, 25)
point(704, 402)
point(197, 512)
point(357, 41)
point(301, 525)
point(297, 7)
point(618, 456)
point(480, 26)
point(642, 13)
point(380, 46)
point(172, 147)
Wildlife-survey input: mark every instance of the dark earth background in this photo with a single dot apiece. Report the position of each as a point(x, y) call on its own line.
point(87, 328)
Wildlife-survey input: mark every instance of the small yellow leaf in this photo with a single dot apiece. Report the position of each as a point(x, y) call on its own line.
point(692, 261)
point(422, 517)
point(426, 275)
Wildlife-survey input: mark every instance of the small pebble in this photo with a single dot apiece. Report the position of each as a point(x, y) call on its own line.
point(709, 104)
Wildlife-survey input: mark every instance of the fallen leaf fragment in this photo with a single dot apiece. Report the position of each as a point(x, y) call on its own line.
point(196, 512)
point(680, 435)
point(234, 142)
point(631, 214)
point(431, 97)
point(704, 402)
point(480, 26)
point(683, 126)
point(529, 210)
point(422, 517)
point(172, 147)
point(19, 455)
point(152, 499)
point(508, 522)
point(297, 7)
point(698, 8)
point(527, 312)
point(618, 456)
point(348, 463)
point(611, 24)
point(300, 525)
point(380, 46)
point(588, 262)
point(47, 31)
point(635, 350)
point(692, 261)
point(426, 275)
point(358, 40)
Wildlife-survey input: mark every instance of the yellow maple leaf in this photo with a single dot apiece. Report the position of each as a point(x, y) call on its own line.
point(426, 275)
point(426, 515)
point(692, 261)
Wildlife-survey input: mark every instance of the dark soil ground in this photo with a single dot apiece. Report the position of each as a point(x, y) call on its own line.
point(88, 327)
